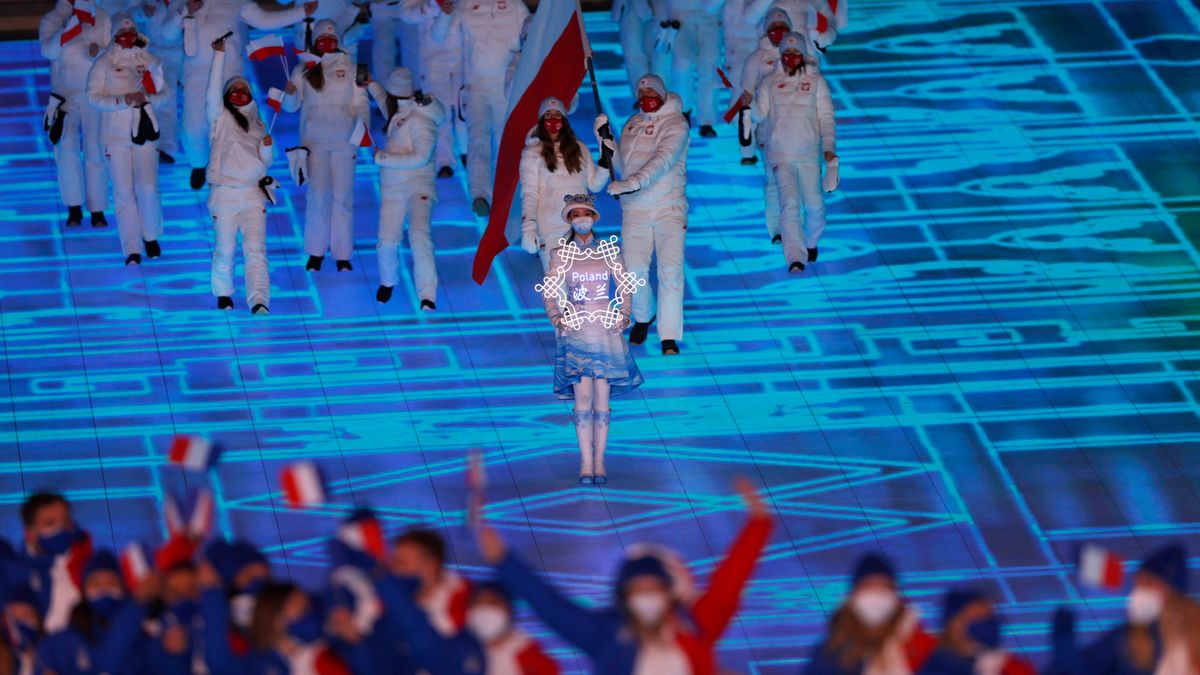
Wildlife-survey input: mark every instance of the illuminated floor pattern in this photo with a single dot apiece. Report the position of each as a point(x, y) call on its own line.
point(992, 362)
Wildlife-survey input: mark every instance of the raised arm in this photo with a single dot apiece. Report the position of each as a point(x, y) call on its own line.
point(213, 105)
point(50, 30)
point(579, 626)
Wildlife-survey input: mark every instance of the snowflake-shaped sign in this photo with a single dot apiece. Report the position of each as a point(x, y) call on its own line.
point(555, 287)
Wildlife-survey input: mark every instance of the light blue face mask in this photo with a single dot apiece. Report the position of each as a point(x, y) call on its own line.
point(583, 224)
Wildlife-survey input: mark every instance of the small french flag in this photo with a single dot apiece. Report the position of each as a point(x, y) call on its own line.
point(192, 516)
point(1100, 568)
point(275, 99)
point(85, 11)
point(361, 136)
point(194, 452)
point(302, 485)
point(362, 532)
point(73, 30)
point(265, 47)
point(135, 565)
point(152, 79)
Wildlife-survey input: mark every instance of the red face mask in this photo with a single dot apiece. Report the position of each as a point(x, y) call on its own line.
point(326, 44)
point(239, 97)
point(126, 39)
point(775, 34)
point(650, 103)
point(792, 60)
point(553, 125)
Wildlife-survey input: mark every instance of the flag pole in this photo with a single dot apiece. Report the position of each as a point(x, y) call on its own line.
point(605, 132)
point(271, 126)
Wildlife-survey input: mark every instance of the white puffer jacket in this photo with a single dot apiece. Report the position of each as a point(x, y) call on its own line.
point(683, 10)
point(491, 34)
point(653, 156)
point(329, 115)
point(542, 191)
point(802, 12)
point(407, 159)
point(761, 63)
point(796, 112)
point(436, 56)
point(117, 72)
point(71, 62)
point(236, 158)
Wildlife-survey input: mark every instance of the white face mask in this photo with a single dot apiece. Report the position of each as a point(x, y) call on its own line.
point(874, 607)
point(583, 224)
point(241, 608)
point(487, 622)
point(649, 607)
point(1144, 606)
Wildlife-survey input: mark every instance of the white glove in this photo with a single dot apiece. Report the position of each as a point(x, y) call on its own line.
point(621, 187)
point(529, 242)
point(379, 156)
point(830, 182)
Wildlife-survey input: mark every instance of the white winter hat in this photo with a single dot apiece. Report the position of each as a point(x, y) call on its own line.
point(551, 104)
point(399, 82)
point(793, 42)
point(235, 81)
point(324, 27)
point(777, 15)
point(583, 201)
point(653, 82)
point(122, 21)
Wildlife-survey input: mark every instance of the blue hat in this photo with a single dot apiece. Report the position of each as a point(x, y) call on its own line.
point(21, 594)
point(101, 561)
point(229, 558)
point(645, 566)
point(491, 587)
point(957, 599)
point(1169, 563)
point(870, 565)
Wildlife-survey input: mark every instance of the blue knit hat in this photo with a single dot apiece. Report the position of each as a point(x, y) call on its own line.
point(229, 558)
point(101, 561)
point(870, 565)
point(645, 566)
point(957, 599)
point(1169, 563)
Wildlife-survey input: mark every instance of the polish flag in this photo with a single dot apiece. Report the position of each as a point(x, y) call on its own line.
point(307, 58)
point(193, 452)
point(1100, 568)
point(363, 534)
point(361, 136)
point(191, 516)
point(85, 11)
point(152, 79)
point(265, 47)
point(553, 63)
point(275, 99)
point(135, 565)
point(302, 485)
point(73, 30)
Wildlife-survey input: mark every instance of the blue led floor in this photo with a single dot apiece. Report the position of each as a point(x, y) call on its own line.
point(993, 361)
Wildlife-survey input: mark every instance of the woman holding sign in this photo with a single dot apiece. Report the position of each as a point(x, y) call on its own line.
point(587, 300)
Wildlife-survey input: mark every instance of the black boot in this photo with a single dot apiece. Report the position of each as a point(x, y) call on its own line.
point(481, 207)
point(314, 263)
point(777, 239)
point(260, 309)
point(133, 259)
point(198, 176)
point(706, 131)
point(446, 172)
point(165, 158)
point(669, 348)
point(428, 306)
point(224, 302)
point(463, 159)
point(153, 250)
point(98, 219)
point(74, 216)
point(812, 254)
point(344, 266)
point(796, 267)
point(383, 295)
point(749, 161)
point(637, 334)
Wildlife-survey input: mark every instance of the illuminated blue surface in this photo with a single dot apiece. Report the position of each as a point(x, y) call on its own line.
point(992, 362)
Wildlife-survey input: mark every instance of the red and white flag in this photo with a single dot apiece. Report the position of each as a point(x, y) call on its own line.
point(153, 80)
point(553, 62)
point(191, 517)
point(1100, 568)
point(361, 136)
point(265, 47)
point(73, 30)
point(363, 534)
point(275, 99)
point(135, 565)
point(307, 58)
point(193, 452)
point(86, 11)
point(302, 485)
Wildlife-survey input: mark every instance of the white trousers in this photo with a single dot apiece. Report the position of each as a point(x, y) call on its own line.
point(770, 195)
point(134, 173)
point(195, 121)
point(328, 215)
point(644, 233)
point(383, 46)
point(444, 86)
point(166, 111)
point(239, 210)
point(81, 175)
point(396, 206)
point(801, 205)
point(637, 41)
point(486, 109)
point(694, 65)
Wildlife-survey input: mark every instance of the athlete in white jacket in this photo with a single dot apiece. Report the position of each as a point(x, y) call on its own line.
point(799, 130)
point(241, 152)
point(116, 88)
point(407, 184)
point(803, 13)
point(543, 186)
point(652, 160)
point(81, 175)
point(491, 31)
point(634, 19)
point(695, 51)
point(331, 104)
point(741, 36)
point(167, 45)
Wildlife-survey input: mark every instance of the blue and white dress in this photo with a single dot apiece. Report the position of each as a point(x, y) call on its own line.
point(589, 349)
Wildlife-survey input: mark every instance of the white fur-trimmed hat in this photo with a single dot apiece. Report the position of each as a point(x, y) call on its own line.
point(584, 201)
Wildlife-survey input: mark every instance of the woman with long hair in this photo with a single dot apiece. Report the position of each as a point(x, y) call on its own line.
point(554, 164)
point(592, 360)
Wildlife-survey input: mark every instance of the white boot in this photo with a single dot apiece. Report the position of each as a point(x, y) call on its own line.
point(583, 432)
point(600, 439)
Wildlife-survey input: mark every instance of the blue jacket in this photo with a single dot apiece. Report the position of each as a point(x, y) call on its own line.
point(407, 624)
point(117, 649)
point(1108, 655)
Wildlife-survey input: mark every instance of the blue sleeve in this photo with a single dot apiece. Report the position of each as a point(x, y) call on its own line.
point(357, 656)
point(408, 620)
point(218, 655)
point(590, 631)
point(117, 648)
